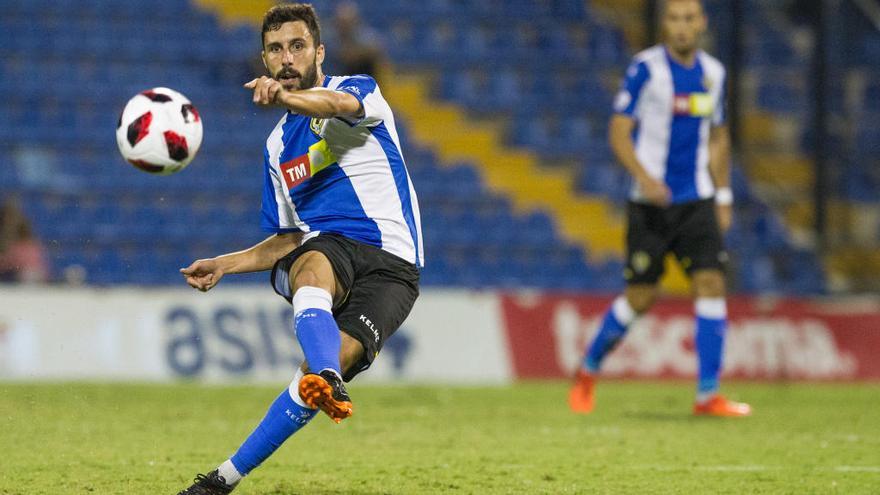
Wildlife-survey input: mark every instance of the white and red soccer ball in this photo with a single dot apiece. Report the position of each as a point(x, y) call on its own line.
point(159, 131)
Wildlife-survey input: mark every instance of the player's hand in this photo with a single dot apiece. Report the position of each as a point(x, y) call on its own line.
point(725, 217)
point(203, 274)
point(266, 90)
point(655, 192)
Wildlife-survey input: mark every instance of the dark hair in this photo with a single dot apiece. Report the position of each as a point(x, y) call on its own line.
point(665, 3)
point(291, 12)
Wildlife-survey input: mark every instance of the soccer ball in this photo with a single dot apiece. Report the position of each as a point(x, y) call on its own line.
point(159, 131)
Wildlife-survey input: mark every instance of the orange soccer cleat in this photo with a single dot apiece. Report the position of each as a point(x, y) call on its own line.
point(719, 406)
point(581, 397)
point(326, 391)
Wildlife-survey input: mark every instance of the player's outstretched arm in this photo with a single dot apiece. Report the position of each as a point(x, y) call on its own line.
point(320, 103)
point(620, 138)
point(204, 274)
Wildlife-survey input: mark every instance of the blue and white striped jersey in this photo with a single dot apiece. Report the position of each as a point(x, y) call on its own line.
point(347, 178)
point(674, 107)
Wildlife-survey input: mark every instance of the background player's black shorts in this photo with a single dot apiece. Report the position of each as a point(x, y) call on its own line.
point(380, 287)
point(689, 230)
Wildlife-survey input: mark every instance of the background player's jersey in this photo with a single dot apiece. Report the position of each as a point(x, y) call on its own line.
point(348, 178)
point(674, 107)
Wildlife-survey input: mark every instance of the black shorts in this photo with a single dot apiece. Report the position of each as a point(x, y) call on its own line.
point(380, 290)
point(689, 230)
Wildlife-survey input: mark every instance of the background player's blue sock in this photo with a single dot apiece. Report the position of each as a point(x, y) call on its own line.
point(285, 417)
point(617, 320)
point(316, 330)
point(709, 340)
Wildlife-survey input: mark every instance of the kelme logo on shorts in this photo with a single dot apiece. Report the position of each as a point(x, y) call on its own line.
point(366, 321)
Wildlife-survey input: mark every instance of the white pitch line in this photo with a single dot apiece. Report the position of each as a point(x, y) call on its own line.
point(747, 468)
point(721, 468)
point(752, 468)
point(858, 469)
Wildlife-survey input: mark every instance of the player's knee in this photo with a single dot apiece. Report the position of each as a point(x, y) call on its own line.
point(304, 278)
point(312, 269)
point(709, 283)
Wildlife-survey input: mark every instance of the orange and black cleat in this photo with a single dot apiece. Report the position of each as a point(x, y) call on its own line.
point(719, 406)
point(326, 391)
point(208, 484)
point(581, 397)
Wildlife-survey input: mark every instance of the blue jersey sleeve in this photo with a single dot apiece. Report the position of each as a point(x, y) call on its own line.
point(628, 97)
point(365, 89)
point(270, 219)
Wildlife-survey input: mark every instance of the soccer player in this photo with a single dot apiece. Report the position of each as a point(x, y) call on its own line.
point(346, 242)
point(669, 132)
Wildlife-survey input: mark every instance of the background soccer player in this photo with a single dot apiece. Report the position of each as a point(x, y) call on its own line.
point(669, 132)
point(346, 241)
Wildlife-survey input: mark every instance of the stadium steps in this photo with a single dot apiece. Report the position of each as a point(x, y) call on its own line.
point(789, 174)
point(236, 11)
point(854, 269)
point(514, 173)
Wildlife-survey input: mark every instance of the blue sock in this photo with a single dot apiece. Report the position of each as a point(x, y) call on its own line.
point(709, 340)
point(618, 318)
point(285, 417)
point(316, 330)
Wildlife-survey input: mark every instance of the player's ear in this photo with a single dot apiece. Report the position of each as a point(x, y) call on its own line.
point(319, 54)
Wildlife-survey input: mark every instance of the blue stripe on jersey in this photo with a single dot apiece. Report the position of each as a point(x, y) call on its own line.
point(398, 170)
point(330, 191)
point(684, 138)
point(636, 77)
point(269, 220)
point(358, 86)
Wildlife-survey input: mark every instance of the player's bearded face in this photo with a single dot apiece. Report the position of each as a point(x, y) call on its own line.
point(293, 79)
point(291, 56)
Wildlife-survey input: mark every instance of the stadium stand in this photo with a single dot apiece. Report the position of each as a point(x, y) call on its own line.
point(551, 81)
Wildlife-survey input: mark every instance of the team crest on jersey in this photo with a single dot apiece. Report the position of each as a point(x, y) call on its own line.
point(316, 125)
point(707, 83)
point(640, 262)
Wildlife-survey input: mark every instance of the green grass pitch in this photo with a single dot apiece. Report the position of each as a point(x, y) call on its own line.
point(152, 439)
